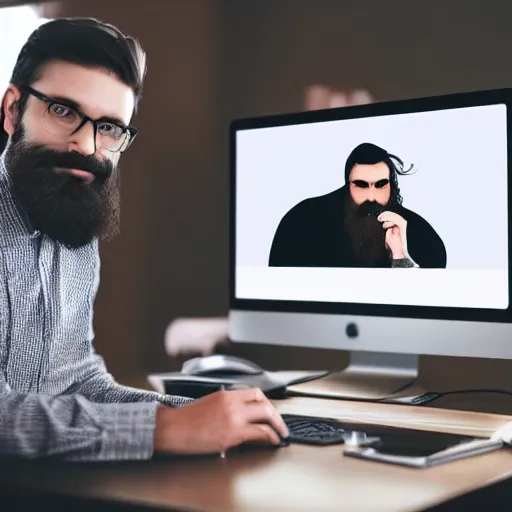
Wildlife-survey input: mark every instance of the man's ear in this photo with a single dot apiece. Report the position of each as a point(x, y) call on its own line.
point(10, 109)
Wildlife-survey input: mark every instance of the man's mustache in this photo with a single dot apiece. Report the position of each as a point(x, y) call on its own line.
point(370, 208)
point(47, 158)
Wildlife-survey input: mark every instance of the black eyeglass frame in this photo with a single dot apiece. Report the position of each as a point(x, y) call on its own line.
point(95, 122)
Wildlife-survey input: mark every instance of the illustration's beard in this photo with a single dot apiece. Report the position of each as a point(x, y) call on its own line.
point(366, 234)
point(62, 206)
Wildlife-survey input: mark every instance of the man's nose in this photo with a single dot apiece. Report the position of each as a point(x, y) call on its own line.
point(371, 194)
point(83, 140)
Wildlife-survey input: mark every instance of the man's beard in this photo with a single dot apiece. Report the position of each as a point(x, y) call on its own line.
point(62, 206)
point(366, 234)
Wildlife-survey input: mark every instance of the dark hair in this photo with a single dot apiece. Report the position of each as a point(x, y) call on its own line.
point(84, 41)
point(370, 154)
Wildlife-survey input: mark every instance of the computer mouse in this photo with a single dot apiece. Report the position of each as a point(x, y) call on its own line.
point(220, 365)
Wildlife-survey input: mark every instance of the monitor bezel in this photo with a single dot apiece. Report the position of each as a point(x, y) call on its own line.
point(413, 105)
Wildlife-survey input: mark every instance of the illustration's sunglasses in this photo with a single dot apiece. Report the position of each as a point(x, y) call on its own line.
point(365, 184)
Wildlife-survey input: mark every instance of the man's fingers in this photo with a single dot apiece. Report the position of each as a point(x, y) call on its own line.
point(390, 216)
point(256, 408)
point(260, 433)
point(388, 224)
point(266, 413)
point(253, 395)
point(385, 216)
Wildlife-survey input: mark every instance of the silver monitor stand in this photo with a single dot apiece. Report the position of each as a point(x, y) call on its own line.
point(368, 376)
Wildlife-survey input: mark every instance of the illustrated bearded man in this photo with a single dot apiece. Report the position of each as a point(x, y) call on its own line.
point(361, 224)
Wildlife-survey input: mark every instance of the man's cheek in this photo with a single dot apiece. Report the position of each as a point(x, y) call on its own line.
point(358, 197)
point(383, 198)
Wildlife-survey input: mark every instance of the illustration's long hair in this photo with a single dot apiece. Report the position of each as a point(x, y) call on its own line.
point(369, 154)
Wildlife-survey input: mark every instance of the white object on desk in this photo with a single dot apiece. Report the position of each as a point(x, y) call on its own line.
point(195, 335)
point(503, 434)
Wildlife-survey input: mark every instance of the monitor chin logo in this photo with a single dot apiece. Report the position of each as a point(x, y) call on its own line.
point(352, 330)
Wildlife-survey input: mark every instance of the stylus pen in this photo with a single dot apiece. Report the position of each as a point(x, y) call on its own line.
point(223, 452)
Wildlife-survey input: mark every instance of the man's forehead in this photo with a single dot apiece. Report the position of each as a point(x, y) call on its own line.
point(98, 92)
point(372, 172)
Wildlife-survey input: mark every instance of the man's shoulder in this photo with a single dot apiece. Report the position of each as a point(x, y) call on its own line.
point(414, 218)
point(317, 205)
point(409, 214)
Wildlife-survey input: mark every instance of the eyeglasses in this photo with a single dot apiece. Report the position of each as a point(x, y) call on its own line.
point(65, 120)
point(365, 184)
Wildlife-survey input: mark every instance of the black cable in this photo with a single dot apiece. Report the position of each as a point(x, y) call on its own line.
point(430, 396)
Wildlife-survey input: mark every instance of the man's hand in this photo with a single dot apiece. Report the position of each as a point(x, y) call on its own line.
point(217, 422)
point(396, 234)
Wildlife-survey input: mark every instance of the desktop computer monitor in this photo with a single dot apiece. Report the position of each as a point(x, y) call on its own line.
point(380, 229)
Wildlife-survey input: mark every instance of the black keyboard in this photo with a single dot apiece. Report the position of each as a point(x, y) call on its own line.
point(308, 430)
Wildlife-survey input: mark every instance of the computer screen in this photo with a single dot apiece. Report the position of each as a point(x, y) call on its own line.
point(406, 209)
point(395, 210)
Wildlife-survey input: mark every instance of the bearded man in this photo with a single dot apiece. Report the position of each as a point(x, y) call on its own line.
point(362, 224)
point(65, 121)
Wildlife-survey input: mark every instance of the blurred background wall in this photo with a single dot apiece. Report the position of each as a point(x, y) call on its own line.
point(211, 61)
